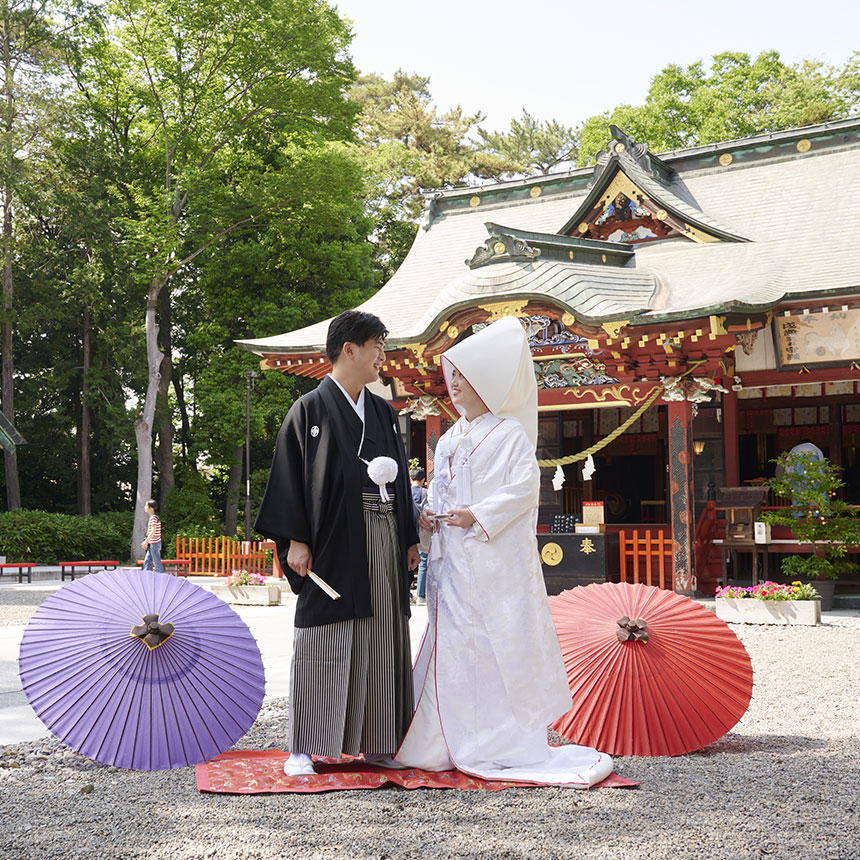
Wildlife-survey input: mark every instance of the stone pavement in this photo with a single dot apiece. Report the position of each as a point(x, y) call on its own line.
point(272, 627)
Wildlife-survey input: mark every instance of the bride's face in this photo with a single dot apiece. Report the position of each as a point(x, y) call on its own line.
point(464, 396)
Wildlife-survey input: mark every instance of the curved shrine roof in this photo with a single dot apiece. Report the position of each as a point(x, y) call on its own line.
point(781, 205)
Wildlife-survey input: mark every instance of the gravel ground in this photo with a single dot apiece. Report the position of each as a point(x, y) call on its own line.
point(784, 784)
point(18, 604)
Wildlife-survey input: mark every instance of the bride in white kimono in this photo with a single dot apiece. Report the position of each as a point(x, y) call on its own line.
point(489, 677)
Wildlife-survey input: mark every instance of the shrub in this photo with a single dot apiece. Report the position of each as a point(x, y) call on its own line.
point(46, 538)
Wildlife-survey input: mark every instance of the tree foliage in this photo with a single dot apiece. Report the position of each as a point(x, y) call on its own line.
point(185, 174)
point(736, 96)
point(408, 148)
point(532, 147)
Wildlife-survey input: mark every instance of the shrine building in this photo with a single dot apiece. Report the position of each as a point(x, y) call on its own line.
point(691, 315)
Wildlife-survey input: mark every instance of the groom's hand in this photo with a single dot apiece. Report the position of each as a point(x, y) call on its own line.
point(412, 557)
point(460, 517)
point(299, 557)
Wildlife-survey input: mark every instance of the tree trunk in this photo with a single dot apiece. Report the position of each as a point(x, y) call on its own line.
point(185, 424)
point(84, 475)
point(144, 424)
point(7, 387)
point(13, 489)
point(231, 509)
point(164, 452)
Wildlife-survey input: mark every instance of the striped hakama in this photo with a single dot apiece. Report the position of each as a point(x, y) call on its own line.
point(351, 681)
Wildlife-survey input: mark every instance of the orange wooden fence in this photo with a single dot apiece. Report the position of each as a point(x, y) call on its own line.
point(646, 558)
point(222, 555)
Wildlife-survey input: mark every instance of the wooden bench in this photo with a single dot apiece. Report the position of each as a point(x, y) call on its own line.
point(72, 567)
point(23, 567)
point(180, 566)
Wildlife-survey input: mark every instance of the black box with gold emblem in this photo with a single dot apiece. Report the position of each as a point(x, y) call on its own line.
point(572, 559)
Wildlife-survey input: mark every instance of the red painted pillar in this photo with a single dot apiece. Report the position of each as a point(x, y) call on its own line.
point(434, 431)
point(730, 438)
point(681, 499)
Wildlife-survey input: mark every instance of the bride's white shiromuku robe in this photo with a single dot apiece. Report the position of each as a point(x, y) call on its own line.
point(489, 677)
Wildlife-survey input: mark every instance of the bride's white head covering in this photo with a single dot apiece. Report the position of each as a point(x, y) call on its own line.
point(497, 363)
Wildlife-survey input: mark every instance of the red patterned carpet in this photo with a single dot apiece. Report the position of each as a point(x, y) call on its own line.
point(261, 772)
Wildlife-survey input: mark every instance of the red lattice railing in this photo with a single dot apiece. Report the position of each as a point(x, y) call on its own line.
point(646, 557)
point(222, 555)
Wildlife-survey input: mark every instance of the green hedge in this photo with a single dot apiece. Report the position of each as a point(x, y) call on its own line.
point(51, 538)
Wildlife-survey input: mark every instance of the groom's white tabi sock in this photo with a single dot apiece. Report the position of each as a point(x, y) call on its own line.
point(298, 764)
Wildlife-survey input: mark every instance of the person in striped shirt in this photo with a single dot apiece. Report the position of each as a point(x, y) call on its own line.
point(152, 541)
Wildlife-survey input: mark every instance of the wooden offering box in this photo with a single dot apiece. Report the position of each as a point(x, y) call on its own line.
point(742, 506)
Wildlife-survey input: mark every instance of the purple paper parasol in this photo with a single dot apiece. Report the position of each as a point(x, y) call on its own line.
point(141, 670)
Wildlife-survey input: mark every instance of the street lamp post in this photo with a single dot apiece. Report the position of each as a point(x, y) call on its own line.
point(249, 375)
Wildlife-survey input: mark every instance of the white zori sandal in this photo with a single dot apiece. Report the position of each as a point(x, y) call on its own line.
point(298, 764)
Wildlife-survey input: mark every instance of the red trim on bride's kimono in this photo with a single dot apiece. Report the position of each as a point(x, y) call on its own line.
point(478, 445)
point(423, 685)
point(433, 656)
point(478, 522)
point(501, 421)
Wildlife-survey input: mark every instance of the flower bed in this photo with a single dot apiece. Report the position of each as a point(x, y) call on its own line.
point(769, 603)
point(248, 589)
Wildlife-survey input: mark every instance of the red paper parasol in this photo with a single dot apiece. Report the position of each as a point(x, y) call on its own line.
point(679, 681)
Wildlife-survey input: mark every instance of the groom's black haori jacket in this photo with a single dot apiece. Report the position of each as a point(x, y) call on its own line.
point(314, 496)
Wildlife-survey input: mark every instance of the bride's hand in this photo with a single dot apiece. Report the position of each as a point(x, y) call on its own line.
point(425, 522)
point(460, 517)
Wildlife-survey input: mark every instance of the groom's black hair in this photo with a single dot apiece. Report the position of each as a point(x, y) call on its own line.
point(354, 327)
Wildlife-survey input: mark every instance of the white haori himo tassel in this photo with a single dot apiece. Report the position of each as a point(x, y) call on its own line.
point(382, 471)
point(464, 485)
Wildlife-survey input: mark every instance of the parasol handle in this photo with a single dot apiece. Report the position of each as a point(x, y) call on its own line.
point(634, 630)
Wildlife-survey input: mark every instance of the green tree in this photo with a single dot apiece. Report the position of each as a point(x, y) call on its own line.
point(736, 96)
point(29, 90)
point(409, 147)
point(284, 277)
point(816, 515)
point(75, 326)
point(209, 105)
point(532, 146)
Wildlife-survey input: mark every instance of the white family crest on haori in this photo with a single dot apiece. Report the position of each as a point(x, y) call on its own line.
point(489, 676)
point(315, 431)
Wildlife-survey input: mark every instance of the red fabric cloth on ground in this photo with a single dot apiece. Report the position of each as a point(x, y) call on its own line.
point(261, 772)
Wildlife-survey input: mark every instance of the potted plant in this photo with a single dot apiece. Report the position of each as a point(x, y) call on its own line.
point(769, 603)
point(246, 589)
point(815, 516)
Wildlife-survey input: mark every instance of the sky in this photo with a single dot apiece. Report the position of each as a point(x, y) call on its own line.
point(570, 60)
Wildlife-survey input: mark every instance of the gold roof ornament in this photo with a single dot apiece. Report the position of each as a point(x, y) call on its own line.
point(614, 328)
point(497, 310)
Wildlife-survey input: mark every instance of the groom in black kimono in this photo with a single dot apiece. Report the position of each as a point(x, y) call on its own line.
point(350, 683)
